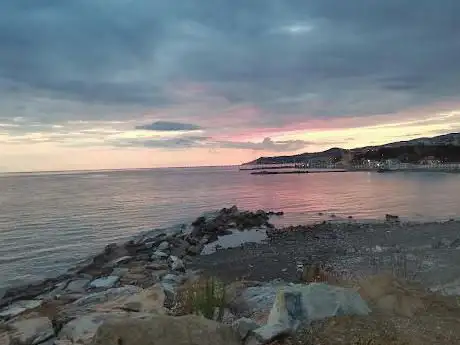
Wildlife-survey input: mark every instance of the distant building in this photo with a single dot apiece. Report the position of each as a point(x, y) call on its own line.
point(430, 160)
point(392, 163)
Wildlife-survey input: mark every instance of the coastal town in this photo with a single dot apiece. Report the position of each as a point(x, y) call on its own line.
point(440, 153)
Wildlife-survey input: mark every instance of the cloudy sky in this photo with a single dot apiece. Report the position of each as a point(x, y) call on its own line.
point(98, 84)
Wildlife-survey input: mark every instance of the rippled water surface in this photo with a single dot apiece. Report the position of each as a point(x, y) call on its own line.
point(50, 221)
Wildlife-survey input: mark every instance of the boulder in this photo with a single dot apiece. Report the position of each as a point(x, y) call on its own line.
point(119, 261)
point(158, 255)
point(171, 282)
point(180, 247)
point(82, 329)
point(99, 265)
point(148, 300)
point(199, 221)
point(91, 303)
point(165, 330)
point(31, 331)
point(19, 307)
point(244, 326)
point(252, 297)
point(163, 246)
point(176, 263)
point(77, 286)
point(296, 305)
point(106, 296)
point(104, 282)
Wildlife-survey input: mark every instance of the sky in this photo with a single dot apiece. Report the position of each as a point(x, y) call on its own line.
point(97, 84)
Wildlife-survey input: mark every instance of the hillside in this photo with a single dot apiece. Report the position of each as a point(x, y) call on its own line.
point(445, 148)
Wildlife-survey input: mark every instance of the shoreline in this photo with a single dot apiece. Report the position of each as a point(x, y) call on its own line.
point(151, 275)
point(279, 237)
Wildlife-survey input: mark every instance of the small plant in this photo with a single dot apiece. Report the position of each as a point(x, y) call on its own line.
point(205, 297)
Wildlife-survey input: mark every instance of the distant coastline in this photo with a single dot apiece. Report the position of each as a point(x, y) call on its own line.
point(422, 151)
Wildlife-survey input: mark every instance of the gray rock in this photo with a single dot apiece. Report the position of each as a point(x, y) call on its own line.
point(107, 295)
point(158, 275)
point(165, 330)
point(159, 255)
point(243, 326)
point(32, 331)
point(204, 240)
point(180, 247)
point(267, 333)
point(120, 271)
point(18, 308)
point(301, 304)
point(176, 263)
point(171, 282)
point(163, 246)
point(150, 245)
point(258, 299)
point(77, 286)
point(82, 329)
point(119, 261)
point(104, 282)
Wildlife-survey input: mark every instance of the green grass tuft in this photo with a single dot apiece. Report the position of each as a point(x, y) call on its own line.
point(205, 297)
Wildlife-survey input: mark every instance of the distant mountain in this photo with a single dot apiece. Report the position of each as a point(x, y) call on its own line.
point(445, 147)
point(333, 153)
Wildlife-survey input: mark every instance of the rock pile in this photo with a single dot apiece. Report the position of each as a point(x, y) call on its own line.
point(125, 281)
point(230, 218)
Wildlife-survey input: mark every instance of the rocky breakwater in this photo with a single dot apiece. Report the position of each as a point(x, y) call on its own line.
point(230, 218)
point(132, 282)
point(133, 294)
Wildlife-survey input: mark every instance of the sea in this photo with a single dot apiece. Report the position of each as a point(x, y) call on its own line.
point(51, 221)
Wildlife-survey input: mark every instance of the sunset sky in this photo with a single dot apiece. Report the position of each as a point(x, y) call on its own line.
point(101, 84)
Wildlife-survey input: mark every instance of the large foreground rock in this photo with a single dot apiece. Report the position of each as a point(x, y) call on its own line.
point(82, 330)
point(165, 330)
point(298, 305)
point(31, 331)
point(95, 302)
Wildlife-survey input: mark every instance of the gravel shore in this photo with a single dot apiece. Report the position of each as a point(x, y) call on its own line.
point(428, 252)
point(152, 272)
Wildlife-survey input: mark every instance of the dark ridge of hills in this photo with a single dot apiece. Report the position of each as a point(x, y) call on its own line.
point(444, 147)
point(333, 152)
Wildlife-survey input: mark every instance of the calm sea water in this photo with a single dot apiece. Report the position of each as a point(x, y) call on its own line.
point(48, 222)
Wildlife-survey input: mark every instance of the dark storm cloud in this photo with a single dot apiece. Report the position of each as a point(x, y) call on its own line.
point(293, 59)
point(169, 126)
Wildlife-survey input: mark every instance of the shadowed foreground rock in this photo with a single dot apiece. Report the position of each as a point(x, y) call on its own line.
point(165, 330)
